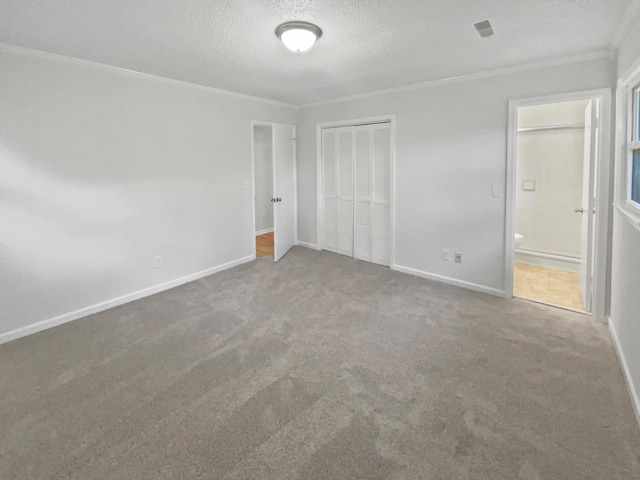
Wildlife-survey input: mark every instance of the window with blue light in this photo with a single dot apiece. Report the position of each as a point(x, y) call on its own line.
point(635, 177)
point(634, 157)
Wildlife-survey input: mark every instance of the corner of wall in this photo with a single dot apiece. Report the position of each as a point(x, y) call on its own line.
point(633, 391)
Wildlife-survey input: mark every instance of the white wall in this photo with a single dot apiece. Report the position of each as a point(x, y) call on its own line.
point(554, 160)
point(450, 149)
point(625, 268)
point(102, 170)
point(263, 156)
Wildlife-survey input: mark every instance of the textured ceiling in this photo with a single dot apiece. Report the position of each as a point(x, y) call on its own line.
point(367, 44)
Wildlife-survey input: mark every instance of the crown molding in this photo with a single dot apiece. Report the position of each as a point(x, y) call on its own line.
point(33, 53)
point(54, 57)
point(583, 57)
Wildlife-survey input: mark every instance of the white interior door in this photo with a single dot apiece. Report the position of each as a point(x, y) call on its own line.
point(329, 240)
point(362, 194)
point(381, 197)
point(283, 189)
point(587, 209)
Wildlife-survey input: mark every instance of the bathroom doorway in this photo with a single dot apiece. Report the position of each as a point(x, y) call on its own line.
point(556, 149)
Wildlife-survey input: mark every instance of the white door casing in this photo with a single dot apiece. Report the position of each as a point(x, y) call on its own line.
point(329, 190)
point(588, 204)
point(345, 191)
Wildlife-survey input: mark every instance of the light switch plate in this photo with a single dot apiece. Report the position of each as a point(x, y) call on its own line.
point(529, 185)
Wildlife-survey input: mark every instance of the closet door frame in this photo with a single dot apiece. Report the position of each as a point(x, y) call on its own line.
point(391, 120)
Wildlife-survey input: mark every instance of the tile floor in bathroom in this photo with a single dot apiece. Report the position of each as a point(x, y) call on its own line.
point(555, 287)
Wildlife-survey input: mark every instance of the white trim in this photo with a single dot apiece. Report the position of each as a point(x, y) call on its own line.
point(253, 179)
point(555, 305)
point(29, 52)
point(624, 131)
point(312, 246)
point(548, 260)
point(510, 199)
point(633, 391)
point(392, 245)
point(601, 235)
point(319, 194)
point(295, 185)
point(577, 126)
point(584, 57)
point(114, 302)
point(351, 122)
point(551, 256)
point(448, 280)
point(262, 232)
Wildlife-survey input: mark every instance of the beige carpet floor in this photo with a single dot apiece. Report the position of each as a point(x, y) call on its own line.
point(318, 367)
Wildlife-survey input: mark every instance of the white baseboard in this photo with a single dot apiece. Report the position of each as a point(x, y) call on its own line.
point(556, 262)
point(449, 281)
point(307, 245)
point(262, 232)
point(99, 307)
point(633, 391)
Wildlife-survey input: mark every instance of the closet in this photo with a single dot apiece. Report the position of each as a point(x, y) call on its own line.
point(356, 191)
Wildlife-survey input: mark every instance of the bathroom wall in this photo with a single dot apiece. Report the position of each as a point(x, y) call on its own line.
point(263, 157)
point(549, 179)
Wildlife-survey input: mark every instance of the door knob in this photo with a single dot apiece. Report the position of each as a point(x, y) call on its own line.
point(579, 210)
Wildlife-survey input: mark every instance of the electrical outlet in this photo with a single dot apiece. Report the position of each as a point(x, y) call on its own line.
point(458, 257)
point(157, 261)
point(445, 255)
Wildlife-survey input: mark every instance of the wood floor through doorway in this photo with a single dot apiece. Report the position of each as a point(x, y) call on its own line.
point(264, 245)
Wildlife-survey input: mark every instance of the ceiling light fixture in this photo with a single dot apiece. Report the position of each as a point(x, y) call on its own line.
point(298, 36)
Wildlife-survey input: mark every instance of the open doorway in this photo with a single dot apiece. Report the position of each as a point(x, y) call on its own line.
point(263, 177)
point(556, 156)
point(274, 188)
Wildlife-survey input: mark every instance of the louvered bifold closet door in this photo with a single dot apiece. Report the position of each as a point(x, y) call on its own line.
point(381, 195)
point(345, 191)
point(362, 194)
point(330, 189)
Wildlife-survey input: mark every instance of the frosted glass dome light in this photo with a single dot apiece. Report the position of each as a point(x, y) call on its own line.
point(298, 36)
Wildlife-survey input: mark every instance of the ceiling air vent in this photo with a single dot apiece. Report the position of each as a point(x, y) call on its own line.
point(484, 28)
